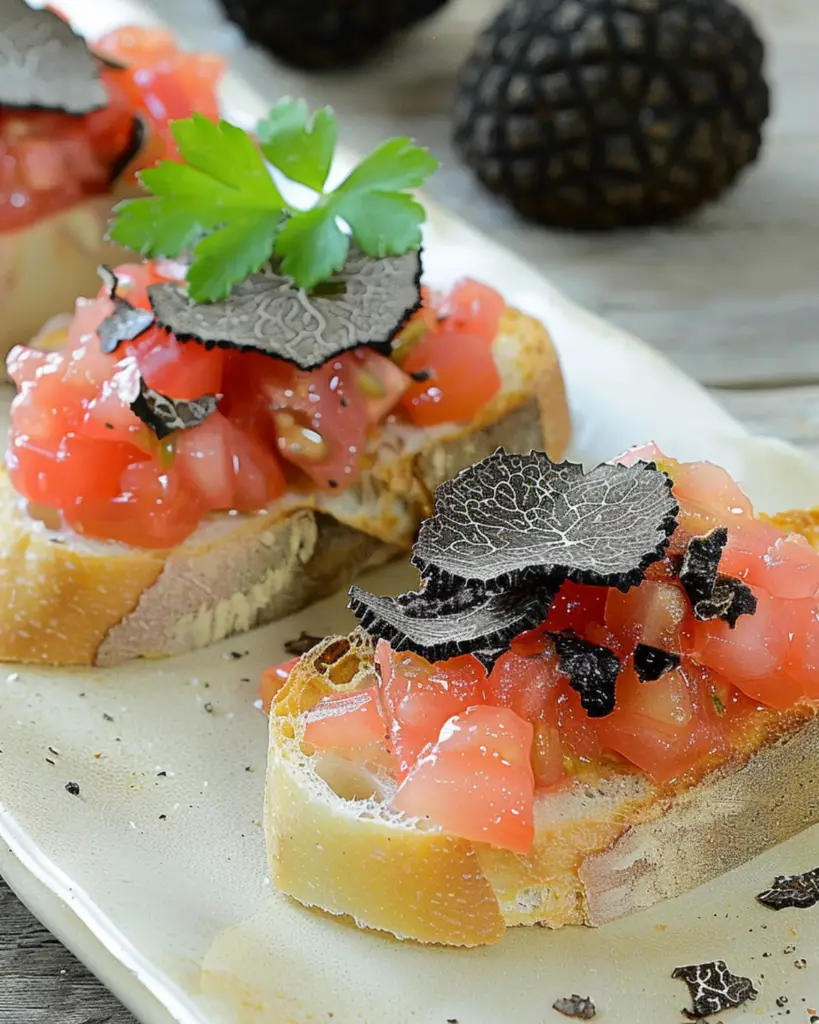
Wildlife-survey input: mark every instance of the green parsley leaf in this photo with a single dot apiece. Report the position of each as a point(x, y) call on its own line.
point(300, 148)
point(224, 182)
point(221, 203)
point(382, 218)
point(230, 255)
point(312, 247)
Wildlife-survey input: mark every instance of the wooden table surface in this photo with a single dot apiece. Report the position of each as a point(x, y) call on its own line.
point(732, 296)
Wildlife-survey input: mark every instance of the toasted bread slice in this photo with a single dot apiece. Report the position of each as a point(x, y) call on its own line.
point(46, 265)
point(67, 600)
point(605, 847)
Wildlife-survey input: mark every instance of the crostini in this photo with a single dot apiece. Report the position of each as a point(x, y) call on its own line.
point(217, 443)
point(605, 693)
point(75, 124)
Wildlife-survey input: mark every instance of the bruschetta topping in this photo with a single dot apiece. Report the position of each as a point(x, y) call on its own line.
point(611, 681)
point(73, 122)
point(79, 448)
point(505, 535)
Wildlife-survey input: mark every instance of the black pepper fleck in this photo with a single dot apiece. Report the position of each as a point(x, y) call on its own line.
point(163, 817)
point(782, 1001)
point(248, 769)
point(208, 707)
point(162, 774)
point(72, 788)
point(56, 753)
point(49, 761)
point(107, 717)
point(800, 964)
point(333, 483)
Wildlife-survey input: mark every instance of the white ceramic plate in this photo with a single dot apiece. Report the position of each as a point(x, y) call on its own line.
point(158, 881)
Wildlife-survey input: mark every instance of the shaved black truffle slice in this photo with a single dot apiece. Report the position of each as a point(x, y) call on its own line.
point(164, 415)
point(792, 891)
point(713, 988)
point(443, 625)
point(126, 323)
point(366, 303)
point(712, 595)
point(650, 663)
point(592, 670)
point(45, 65)
point(512, 513)
point(575, 1006)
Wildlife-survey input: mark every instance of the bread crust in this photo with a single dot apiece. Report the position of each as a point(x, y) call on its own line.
point(46, 265)
point(603, 849)
point(238, 571)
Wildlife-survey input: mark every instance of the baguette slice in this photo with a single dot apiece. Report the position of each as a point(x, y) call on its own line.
point(65, 600)
point(46, 265)
point(604, 848)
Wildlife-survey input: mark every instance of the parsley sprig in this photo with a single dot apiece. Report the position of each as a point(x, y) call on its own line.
point(221, 204)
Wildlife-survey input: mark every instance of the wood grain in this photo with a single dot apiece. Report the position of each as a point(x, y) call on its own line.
point(730, 295)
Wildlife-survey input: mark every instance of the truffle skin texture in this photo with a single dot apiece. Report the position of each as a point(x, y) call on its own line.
point(323, 34)
point(599, 114)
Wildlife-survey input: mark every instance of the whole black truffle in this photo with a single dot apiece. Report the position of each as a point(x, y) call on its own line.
point(323, 34)
point(596, 114)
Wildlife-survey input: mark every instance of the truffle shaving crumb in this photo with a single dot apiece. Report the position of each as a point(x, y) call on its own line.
point(713, 988)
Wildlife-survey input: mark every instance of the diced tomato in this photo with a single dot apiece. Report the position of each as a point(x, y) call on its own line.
point(802, 664)
point(575, 606)
point(579, 733)
point(475, 781)
point(381, 382)
point(749, 541)
point(152, 510)
point(528, 685)
point(659, 726)
point(471, 308)
point(319, 417)
point(652, 613)
point(272, 680)
point(548, 758)
point(457, 356)
point(708, 497)
point(784, 565)
point(204, 461)
point(751, 655)
point(418, 698)
point(178, 369)
point(346, 722)
point(66, 474)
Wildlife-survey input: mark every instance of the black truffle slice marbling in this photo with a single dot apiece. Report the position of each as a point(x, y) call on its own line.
point(366, 303)
point(713, 988)
point(45, 65)
point(510, 514)
point(443, 624)
point(792, 891)
point(164, 415)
